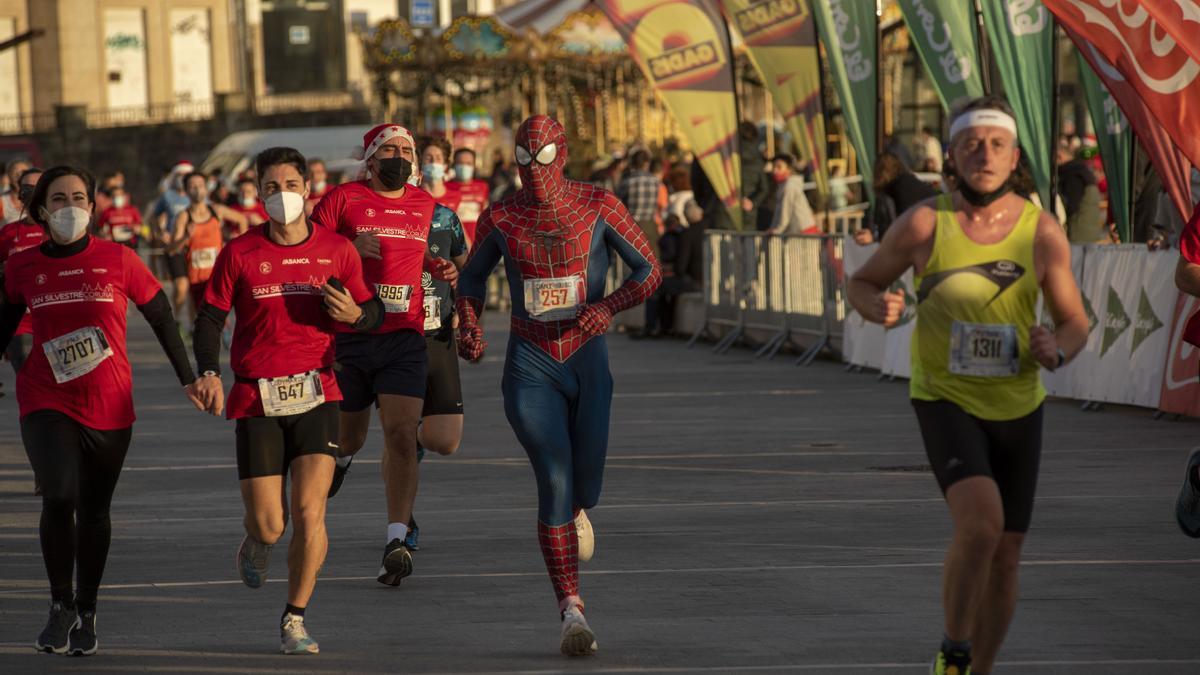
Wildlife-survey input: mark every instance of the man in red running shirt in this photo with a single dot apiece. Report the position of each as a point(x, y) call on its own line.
point(388, 218)
point(466, 195)
point(15, 237)
point(285, 279)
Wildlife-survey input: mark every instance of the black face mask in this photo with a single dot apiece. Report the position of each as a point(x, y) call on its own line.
point(394, 172)
point(977, 198)
point(25, 194)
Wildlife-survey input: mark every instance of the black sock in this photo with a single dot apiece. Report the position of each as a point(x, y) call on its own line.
point(1194, 476)
point(957, 653)
point(293, 610)
point(64, 595)
point(85, 605)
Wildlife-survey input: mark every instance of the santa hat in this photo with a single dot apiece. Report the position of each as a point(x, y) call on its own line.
point(379, 135)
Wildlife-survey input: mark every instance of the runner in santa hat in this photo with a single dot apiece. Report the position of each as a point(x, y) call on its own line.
point(388, 217)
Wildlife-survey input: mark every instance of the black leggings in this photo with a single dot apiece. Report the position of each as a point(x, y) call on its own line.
point(78, 468)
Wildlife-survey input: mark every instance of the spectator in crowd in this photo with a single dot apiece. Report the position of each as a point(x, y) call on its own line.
point(660, 203)
point(715, 214)
point(12, 207)
point(679, 187)
point(755, 187)
point(896, 190)
point(793, 215)
point(660, 307)
point(1081, 198)
point(893, 146)
point(638, 190)
point(929, 152)
point(688, 270)
point(839, 190)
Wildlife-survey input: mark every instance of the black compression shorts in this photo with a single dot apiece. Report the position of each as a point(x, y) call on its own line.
point(387, 363)
point(177, 266)
point(266, 446)
point(960, 445)
point(443, 387)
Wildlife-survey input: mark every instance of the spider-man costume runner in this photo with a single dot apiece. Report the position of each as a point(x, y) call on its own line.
point(557, 237)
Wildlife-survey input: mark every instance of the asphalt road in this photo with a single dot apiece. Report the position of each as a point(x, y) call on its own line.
point(756, 517)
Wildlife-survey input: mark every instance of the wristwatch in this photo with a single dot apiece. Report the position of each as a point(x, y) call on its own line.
point(1062, 358)
point(213, 373)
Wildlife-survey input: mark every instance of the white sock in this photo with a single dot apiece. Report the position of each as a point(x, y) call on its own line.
point(397, 531)
point(344, 461)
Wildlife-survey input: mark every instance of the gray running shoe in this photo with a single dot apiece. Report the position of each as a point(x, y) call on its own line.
point(397, 563)
point(53, 639)
point(577, 637)
point(253, 561)
point(339, 476)
point(294, 639)
point(1187, 505)
point(82, 640)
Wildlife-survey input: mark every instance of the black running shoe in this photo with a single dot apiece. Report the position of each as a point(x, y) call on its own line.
point(53, 639)
point(82, 640)
point(397, 563)
point(339, 475)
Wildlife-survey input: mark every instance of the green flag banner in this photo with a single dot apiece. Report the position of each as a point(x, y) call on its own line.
point(1115, 138)
point(944, 33)
point(1021, 33)
point(847, 28)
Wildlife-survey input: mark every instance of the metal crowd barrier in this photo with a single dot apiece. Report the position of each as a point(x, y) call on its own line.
point(785, 286)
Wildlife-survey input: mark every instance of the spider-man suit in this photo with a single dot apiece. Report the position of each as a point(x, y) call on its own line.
point(557, 237)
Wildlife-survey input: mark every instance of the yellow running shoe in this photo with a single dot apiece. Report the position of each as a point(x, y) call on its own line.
point(939, 667)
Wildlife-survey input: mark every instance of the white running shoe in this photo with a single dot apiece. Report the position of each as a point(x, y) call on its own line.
point(577, 638)
point(586, 536)
point(294, 639)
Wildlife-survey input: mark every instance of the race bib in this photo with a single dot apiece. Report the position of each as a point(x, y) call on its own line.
point(291, 395)
point(77, 353)
point(204, 258)
point(984, 349)
point(395, 298)
point(121, 233)
point(553, 299)
point(433, 312)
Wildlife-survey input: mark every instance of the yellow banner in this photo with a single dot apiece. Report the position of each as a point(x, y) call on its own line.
point(683, 48)
point(781, 40)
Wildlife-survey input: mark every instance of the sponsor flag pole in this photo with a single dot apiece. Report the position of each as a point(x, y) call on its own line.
point(879, 105)
point(985, 48)
point(1055, 119)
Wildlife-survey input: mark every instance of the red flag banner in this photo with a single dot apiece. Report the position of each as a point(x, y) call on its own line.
point(1181, 377)
point(1173, 167)
point(1179, 18)
point(1162, 72)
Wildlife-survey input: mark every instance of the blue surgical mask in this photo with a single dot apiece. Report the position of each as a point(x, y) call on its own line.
point(434, 171)
point(464, 172)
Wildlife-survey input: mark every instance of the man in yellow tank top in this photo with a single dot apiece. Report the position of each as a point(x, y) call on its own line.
point(980, 256)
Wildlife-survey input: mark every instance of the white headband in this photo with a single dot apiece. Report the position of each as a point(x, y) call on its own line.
point(984, 117)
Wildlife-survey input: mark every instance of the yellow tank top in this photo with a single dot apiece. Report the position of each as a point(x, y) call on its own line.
point(975, 304)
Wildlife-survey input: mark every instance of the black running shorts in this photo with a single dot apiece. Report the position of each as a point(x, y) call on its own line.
point(388, 363)
point(177, 266)
point(960, 445)
point(266, 446)
point(443, 388)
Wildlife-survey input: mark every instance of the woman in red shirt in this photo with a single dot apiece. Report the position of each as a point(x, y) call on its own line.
point(75, 392)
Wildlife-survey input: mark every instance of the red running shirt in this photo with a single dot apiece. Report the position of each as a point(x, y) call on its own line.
point(120, 224)
point(15, 237)
point(467, 200)
point(402, 226)
point(282, 327)
point(88, 290)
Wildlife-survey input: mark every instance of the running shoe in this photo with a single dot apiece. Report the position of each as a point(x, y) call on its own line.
point(397, 563)
point(53, 639)
point(1187, 505)
point(294, 638)
point(82, 639)
point(411, 540)
point(586, 536)
point(253, 561)
point(940, 667)
point(577, 638)
point(339, 475)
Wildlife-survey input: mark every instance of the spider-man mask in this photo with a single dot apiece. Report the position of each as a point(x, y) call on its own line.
point(541, 154)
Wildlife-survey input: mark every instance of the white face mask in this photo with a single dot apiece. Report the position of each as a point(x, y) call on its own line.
point(415, 180)
point(319, 186)
point(68, 224)
point(285, 207)
point(249, 202)
point(120, 201)
point(464, 172)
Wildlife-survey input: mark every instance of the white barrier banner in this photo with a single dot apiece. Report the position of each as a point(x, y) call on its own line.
point(862, 341)
point(1152, 327)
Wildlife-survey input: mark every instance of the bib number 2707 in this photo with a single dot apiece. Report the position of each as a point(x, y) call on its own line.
point(77, 353)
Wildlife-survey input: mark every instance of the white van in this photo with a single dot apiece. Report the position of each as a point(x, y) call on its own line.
point(334, 145)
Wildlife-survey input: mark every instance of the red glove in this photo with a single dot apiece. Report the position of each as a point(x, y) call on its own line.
point(471, 343)
point(594, 319)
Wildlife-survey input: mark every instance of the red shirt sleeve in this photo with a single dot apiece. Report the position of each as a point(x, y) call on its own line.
point(223, 283)
point(328, 212)
point(1189, 239)
point(140, 284)
point(353, 275)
